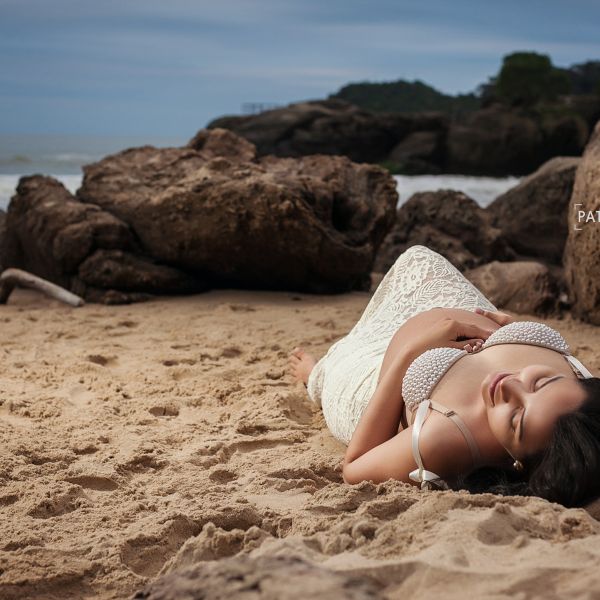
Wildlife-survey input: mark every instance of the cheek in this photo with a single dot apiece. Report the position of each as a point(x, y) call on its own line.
point(498, 419)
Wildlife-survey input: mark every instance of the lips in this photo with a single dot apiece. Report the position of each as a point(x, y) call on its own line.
point(492, 387)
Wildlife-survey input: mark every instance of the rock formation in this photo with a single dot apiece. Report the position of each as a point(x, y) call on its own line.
point(152, 220)
point(335, 126)
point(53, 235)
point(581, 257)
point(448, 222)
point(533, 215)
point(521, 286)
point(494, 140)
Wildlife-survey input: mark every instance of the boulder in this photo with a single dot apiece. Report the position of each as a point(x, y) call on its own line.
point(419, 152)
point(449, 222)
point(221, 142)
point(277, 577)
point(520, 286)
point(533, 214)
point(311, 224)
point(2, 236)
point(495, 140)
point(53, 235)
point(581, 256)
point(333, 126)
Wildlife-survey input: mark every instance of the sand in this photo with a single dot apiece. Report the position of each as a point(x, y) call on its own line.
point(139, 439)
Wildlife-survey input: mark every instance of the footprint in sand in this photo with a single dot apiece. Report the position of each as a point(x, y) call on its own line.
point(128, 324)
point(240, 307)
point(62, 499)
point(93, 482)
point(222, 475)
point(147, 552)
point(164, 410)
point(100, 359)
point(79, 397)
point(173, 362)
point(8, 499)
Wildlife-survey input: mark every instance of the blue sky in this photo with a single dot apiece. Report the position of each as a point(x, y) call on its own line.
point(158, 67)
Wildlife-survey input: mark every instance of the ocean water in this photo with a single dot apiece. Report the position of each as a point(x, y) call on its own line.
point(62, 156)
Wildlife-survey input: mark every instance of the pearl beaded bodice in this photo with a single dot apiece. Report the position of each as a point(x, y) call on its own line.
point(427, 369)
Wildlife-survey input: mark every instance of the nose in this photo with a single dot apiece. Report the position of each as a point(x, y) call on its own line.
point(508, 388)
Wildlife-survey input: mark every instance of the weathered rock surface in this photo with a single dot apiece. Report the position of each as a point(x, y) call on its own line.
point(263, 577)
point(495, 140)
point(448, 222)
point(53, 235)
point(152, 220)
point(581, 256)
point(520, 286)
point(311, 224)
point(533, 215)
point(2, 237)
point(419, 152)
point(334, 126)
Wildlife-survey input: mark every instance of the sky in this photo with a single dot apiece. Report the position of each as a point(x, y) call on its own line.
point(167, 68)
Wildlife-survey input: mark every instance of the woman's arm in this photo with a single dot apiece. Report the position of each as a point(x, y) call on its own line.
point(380, 420)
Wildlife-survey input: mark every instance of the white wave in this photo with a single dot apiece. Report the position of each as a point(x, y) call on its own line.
point(482, 189)
point(70, 157)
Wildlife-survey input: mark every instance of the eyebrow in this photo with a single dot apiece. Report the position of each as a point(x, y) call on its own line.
point(523, 415)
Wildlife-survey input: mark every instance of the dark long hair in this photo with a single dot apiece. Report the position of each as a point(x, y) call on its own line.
point(567, 471)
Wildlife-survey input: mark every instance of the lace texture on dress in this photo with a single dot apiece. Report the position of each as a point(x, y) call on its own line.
point(344, 380)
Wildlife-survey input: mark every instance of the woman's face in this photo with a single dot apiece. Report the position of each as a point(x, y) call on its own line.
point(526, 404)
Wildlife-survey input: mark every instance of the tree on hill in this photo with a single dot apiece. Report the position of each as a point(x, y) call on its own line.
point(585, 77)
point(405, 96)
point(528, 77)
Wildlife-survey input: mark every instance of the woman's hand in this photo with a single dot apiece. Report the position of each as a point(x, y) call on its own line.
point(496, 316)
point(452, 333)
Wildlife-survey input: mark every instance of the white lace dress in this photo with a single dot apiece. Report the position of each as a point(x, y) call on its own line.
point(344, 380)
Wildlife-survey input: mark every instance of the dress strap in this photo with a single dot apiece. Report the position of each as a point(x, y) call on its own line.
point(577, 364)
point(463, 429)
point(422, 475)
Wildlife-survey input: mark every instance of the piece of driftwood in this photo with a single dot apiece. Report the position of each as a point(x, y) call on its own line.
point(12, 278)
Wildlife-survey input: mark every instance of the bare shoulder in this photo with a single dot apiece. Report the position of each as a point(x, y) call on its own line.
point(443, 448)
point(441, 445)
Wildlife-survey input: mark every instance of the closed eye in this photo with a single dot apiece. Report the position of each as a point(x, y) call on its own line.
point(547, 381)
point(512, 421)
point(523, 413)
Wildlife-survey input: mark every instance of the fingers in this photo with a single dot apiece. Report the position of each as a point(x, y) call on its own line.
point(469, 330)
point(497, 316)
point(472, 345)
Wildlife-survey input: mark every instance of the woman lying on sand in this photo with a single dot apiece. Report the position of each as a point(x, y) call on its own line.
point(465, 397)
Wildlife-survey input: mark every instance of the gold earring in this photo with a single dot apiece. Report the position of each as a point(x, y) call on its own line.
point(517, 465)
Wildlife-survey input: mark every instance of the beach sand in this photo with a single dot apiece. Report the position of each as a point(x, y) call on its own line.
point(136, 440)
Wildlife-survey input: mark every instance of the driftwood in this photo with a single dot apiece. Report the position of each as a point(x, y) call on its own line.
point(12, 278)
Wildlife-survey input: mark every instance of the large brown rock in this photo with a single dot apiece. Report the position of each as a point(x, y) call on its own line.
point(520, 286)
point(533, 214)
point(500, 140)
point(52, 234)
point(334, 126)
point(449, 222)
point(2, 237)
point(310, 224)
point(581, 256)
point(419, 152)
